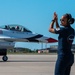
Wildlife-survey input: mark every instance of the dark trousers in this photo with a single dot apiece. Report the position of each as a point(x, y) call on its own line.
point(63, 64)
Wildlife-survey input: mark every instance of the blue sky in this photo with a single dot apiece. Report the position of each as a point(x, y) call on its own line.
point(35, 15)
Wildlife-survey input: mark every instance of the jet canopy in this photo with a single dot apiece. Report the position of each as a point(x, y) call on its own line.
point(15, 27)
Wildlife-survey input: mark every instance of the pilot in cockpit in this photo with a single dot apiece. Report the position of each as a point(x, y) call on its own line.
point(17, 28)
point(7, 27)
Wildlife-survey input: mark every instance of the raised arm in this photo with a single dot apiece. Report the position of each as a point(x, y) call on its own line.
point(51, 28)
point(55, 20)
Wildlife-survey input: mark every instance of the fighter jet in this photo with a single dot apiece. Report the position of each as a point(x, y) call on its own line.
point(12, 33)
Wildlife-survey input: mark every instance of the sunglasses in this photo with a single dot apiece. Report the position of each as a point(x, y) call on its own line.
point(62, 20)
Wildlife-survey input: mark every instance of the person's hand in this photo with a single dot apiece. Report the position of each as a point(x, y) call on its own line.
point(55, 17)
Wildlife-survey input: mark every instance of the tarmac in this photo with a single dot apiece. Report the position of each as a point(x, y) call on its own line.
point(30, 65)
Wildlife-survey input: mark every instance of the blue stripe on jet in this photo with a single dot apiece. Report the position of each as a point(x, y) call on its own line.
point(33, 40)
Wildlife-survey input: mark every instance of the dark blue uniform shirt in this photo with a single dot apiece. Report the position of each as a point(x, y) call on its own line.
point(65, 39)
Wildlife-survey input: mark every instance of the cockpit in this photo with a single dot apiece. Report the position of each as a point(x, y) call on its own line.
point(15, 27)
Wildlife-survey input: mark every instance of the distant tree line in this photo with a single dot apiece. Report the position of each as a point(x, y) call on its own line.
point(21, 50)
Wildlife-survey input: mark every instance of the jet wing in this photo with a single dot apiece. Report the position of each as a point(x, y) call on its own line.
point(35, 39)
point(47, 40)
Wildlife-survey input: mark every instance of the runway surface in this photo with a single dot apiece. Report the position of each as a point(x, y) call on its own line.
point(30, 65)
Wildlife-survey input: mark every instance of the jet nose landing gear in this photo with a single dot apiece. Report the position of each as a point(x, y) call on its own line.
point(3, 52)
point(4, 58)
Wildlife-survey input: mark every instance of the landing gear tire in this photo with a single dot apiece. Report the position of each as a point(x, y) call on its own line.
point(5, 58)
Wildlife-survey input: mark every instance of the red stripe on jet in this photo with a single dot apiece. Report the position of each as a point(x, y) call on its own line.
point(51, 40)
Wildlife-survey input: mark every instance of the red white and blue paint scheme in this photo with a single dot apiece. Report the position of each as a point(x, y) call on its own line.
point(10, 34)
